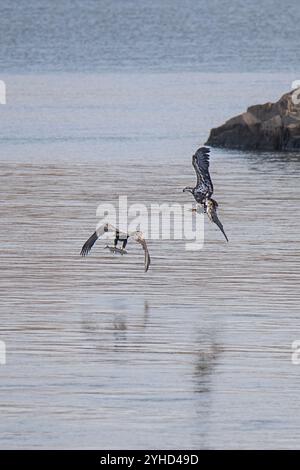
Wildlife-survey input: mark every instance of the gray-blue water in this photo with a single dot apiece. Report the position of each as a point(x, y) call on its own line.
point(112, 98)
point(168, 35)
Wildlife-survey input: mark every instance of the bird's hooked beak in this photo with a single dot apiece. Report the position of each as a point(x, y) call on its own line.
point(187, 189)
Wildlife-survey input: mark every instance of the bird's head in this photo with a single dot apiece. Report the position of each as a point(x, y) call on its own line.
point(188, 189)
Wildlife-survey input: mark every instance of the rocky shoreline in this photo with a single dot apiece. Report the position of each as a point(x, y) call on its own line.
point(270, 126)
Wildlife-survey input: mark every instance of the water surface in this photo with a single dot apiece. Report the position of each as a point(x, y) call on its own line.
point(131, 35)
point(197, 352)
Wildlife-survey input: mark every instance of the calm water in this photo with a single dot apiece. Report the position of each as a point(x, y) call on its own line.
point(169, 35)
point(109, 98)
point(197, 352)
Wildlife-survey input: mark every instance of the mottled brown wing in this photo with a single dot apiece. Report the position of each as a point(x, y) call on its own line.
point(201, 165)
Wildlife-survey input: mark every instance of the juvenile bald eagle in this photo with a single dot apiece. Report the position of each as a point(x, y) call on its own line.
point(204, 189)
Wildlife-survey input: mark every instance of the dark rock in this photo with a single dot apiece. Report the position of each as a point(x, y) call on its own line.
point(270, 126)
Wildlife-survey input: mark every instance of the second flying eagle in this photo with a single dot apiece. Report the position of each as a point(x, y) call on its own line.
point(119, 237)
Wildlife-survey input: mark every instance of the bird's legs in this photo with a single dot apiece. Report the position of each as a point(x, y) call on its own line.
point(125, 240)
point(117, 237)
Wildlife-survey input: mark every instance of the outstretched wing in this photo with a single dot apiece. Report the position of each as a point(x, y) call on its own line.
point(93, 238)
point(139, 237)
point(212, 214)
point(201, 166)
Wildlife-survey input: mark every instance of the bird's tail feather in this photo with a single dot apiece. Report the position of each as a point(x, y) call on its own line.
point(212, 214)
point(218, 223)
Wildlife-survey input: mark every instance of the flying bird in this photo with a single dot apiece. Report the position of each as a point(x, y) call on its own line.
point(204, 189)
point(119, 237)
